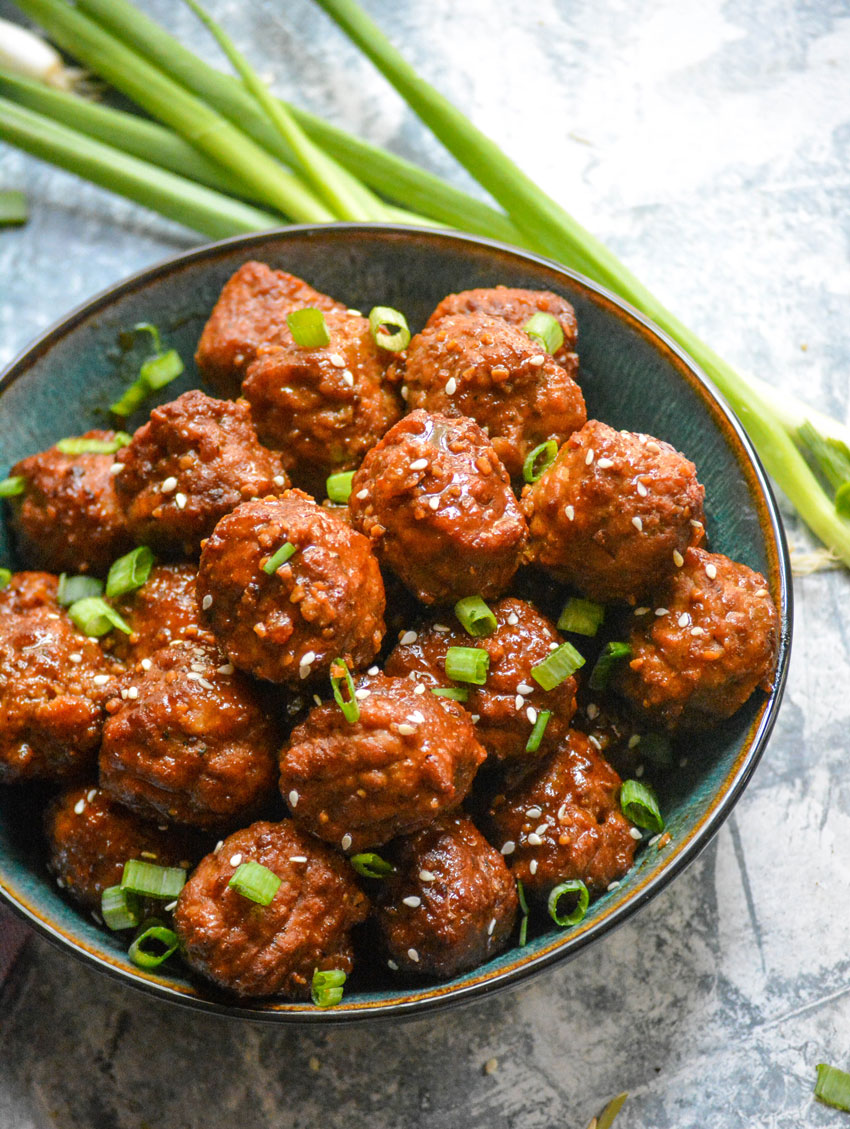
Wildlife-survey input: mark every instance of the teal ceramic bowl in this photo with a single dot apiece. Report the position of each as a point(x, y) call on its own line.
point(632, 376)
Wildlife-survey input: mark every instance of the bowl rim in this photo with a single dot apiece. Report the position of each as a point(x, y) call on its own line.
point(440, 996)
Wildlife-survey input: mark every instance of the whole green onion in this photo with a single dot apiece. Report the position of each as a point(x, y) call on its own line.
point(546, 331)
point(833, 1087)
point(255, 882)
point(119, 908)
point(566, 889)
point(153, 946)
point(338, 486)
point(557, 666)
point(380, 317)
point(475, 616)
point(95, 617)
point(129, 572)
point(581, 617)
point(370, 865)
point(326, 988)
point(639, 804)
point(539, 728)
point(279, 556)
point(538, 461)
point(611, 655)
point(350, 706)
point(149, 880)
point(467, 664)
point(12, 486)
point(455, 693)
point(308, 328)
point(73, 588)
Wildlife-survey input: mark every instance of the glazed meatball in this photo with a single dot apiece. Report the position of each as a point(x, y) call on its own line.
point(708, 640)
point(564, 821)
point(326, 601)
point(90, 837)
point(190, 743)
point(322, 408)
point(451, 904)
point(54, 683)
point(251, 311)
point(614, 513)
point(407, 758)
point(256, 950)
point(508, 704)
point(486, 368)
point(164, 609)
point(517, 307)
point(192, 463)
point(68, 518)
point(438, 507)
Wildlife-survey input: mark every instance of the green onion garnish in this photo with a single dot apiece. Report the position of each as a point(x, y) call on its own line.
point(154, 945)
point(383, 317)
point(129, 572)
point(152, 881)
point(475, 616)
point(537, 731)
point(557, 666)
point(523, 905)
point(520, 893)
point(9, 487)
point(256, 882)
point(154, 373)
point(539, 460)
point(5, 578)
point(73, 588)
point(79, 445)
point(338, 486)
point(581, 617)
point(467, 664)
point(308, 328)
point(523, 931)
point(281, 556)
point(611, 655)
point(119, 908)
point(456, 693)
point(350, 706)
point(326, 988)
point(95, 617)
point(833, 1087)
point(370, 865)
point(546, 331)
point(572, 886)
point(639, 804)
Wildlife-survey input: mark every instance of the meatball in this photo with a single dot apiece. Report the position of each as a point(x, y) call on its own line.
point(256, 950)
point(68, 518)
point(614, 513)
point(564, 822)
point(484, 367)
point(164, 609)
point(451, 903)
point(192, 463)
point(709, 639)
point(251, 311)
point(326, 601)
point(407, 758)
point(90, 837)
point(54, 684)
point(438, 507)
point(508, 704)
point(190, 743)
point(322, 408)
point(517, 306)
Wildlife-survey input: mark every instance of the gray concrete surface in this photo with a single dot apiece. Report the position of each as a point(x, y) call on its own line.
point(709, 142)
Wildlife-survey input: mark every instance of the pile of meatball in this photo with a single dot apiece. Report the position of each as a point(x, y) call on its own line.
point(209, 735)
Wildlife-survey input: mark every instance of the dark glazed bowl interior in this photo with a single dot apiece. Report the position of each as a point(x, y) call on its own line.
point(632, 377)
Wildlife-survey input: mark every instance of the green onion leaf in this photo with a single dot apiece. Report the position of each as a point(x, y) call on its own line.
point(13, 207)
point(382, 318)
point(539, 460)
point(467, 664)
point(370, 865)
point(119, 908)
point(326, 988)
point(5, 578)
point(581, 617)
point(79, 445)
point(538, 730)
point(153, 946)
point(833, 1087)
point(129, 572)
point(607, 1116)
point(95, 617)
point(9, 487)
point(73, 588)
point(520, 893)
point(308, 328)
point(523, 931)
point(639, 804)
point(338, 486)
point(281, 556)
point(456, 693)
point(557, 667)
point(475, 617)
point(255, 882)
point(546, 331)
point(350, 706)
point(152, 881)
point(611, 655)
point(146, 327)
point(156, 372)
point(572, 886)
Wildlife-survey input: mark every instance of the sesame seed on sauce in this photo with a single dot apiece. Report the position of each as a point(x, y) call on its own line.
point(696, 524)
point(169, 485)
point(297, 858)
point(404, 392)
point(227, 668)
point(534, 813)
point(553, 646)
point(697, 631)
point(603, 464)
point(571, 513)
point(413, 955)
point(475, 718)
point(491, 927)
point(420, 689)
point(75, 657)
point(293, 799)
point(434, 502)
point(642, 490)
point(634, 740)
point(216, 848)
point(684, 620)
point(180, 501)
point(595, 742)
point(361, 494)
point(346, 842)
point(532, 866)
point(654, 840)
point(317, 700)
point(588, 458)
point(612, 886)
point(392, 964)
point(441, 627)
point(100, 679)
point(348, 377)
point(451, 386)
point(406, 730)
point(762, 592)
point(513, 619)
point(413, 901)
point(236, 860)
point(90, 795)
point(519, 701)
point(635, 833)
point(362, 694)
point(661, 611)
point(524, 688)
point(336, 360)
point(373, 670)
point(534, 839)
point(508, 847)
point(207, 603)
point(416, 717)
point(79, 807)
point(653, 447)
point(116, 468)
point(537, 360)
point(592, 711)
point(637, 523)
point(279, 480)
point(408, 637)
point(419, 464)
point(678, 559)
point(426, 876)
point(531, 714)
point(711, 571)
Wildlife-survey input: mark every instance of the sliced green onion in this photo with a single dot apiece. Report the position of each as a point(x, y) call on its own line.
point(129, 572)
point(520, 893)
point(539, 460)
point(581, 617)
point(611, 655)
point(546, 331)
point(523, 931)
point(370, 865)
point(537, 731)
point(9, 487)
point(557, 666)
point(255, 882)
point(152, 881)
point(833, 1087)
point(455, 693)
point(572, 886)
point(95, 617)
point(153, 946)
point(13, 207)
point(308, 328)
point(74, 588)
point(338, 486)
point(639, 804)
point(79, 445)
point(158, 371)
point(5, 578)
point(475, 617)
point(350, 706)
point(154, 373)
point(467, 664)
point(279, 557)
point(326, 988)
point(119, 908)
point(656, 748)
point(607, 1116)
point(383, 317)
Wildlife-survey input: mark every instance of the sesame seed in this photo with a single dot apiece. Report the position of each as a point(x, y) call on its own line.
point(553, 646)
point(348, 377)
point(408, 637)
point(519, 701)
point(420, 689)
point(635, 833)
point(603, 464)
point(451, 386)
point(60, 883)
point(91, 794)
point(100, 679)
point(133, 693)
point(491, 927)
point(373, 670)
point(513, 619)
point(639, 771)
point(406, 730)
point(146, 664)
point(696, 524)
point(171, 906)
point(169, 486)
point(279, 480)
point(355, 313)
point(441, 627)
point(508, 847)
point(180, 501)
point(79, 807)
point(475, 718)
point(413, 901)
point(392, 964)
point(216, 848)
point(116, 468)
point(762, 592)
point(416, 717)
point(297, 858)
point(235, 860)
point(642, 490)
point(524, 688)
point(346, 841)
point(571, 513)
point(678, 559)
point(304, 671)
point(426, 876)
point(534, 839)
point(434, 502)
point(531, 714)
point(75, 657)
point(362, 694)
point(661, 611)
point(534, 813)
point(413, 955)
point(697, 631)
point(532, 866)
point(592, 711)
point(227, 668)
point(293, 799)
point(537, 360)
point(637, 523)
point(634, 740)
point(419, 464)
point(307, 658)
point(361, 494)
point(613, 885)
point(404, 392)
point(683, 620)
point(336, 360)
point(654, 839)
point(317, 699)
point(711, 571)
point(653, 446)
point(595, 742)
point(588, 458)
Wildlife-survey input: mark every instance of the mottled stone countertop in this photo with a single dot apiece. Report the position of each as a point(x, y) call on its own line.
point(709, 143)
